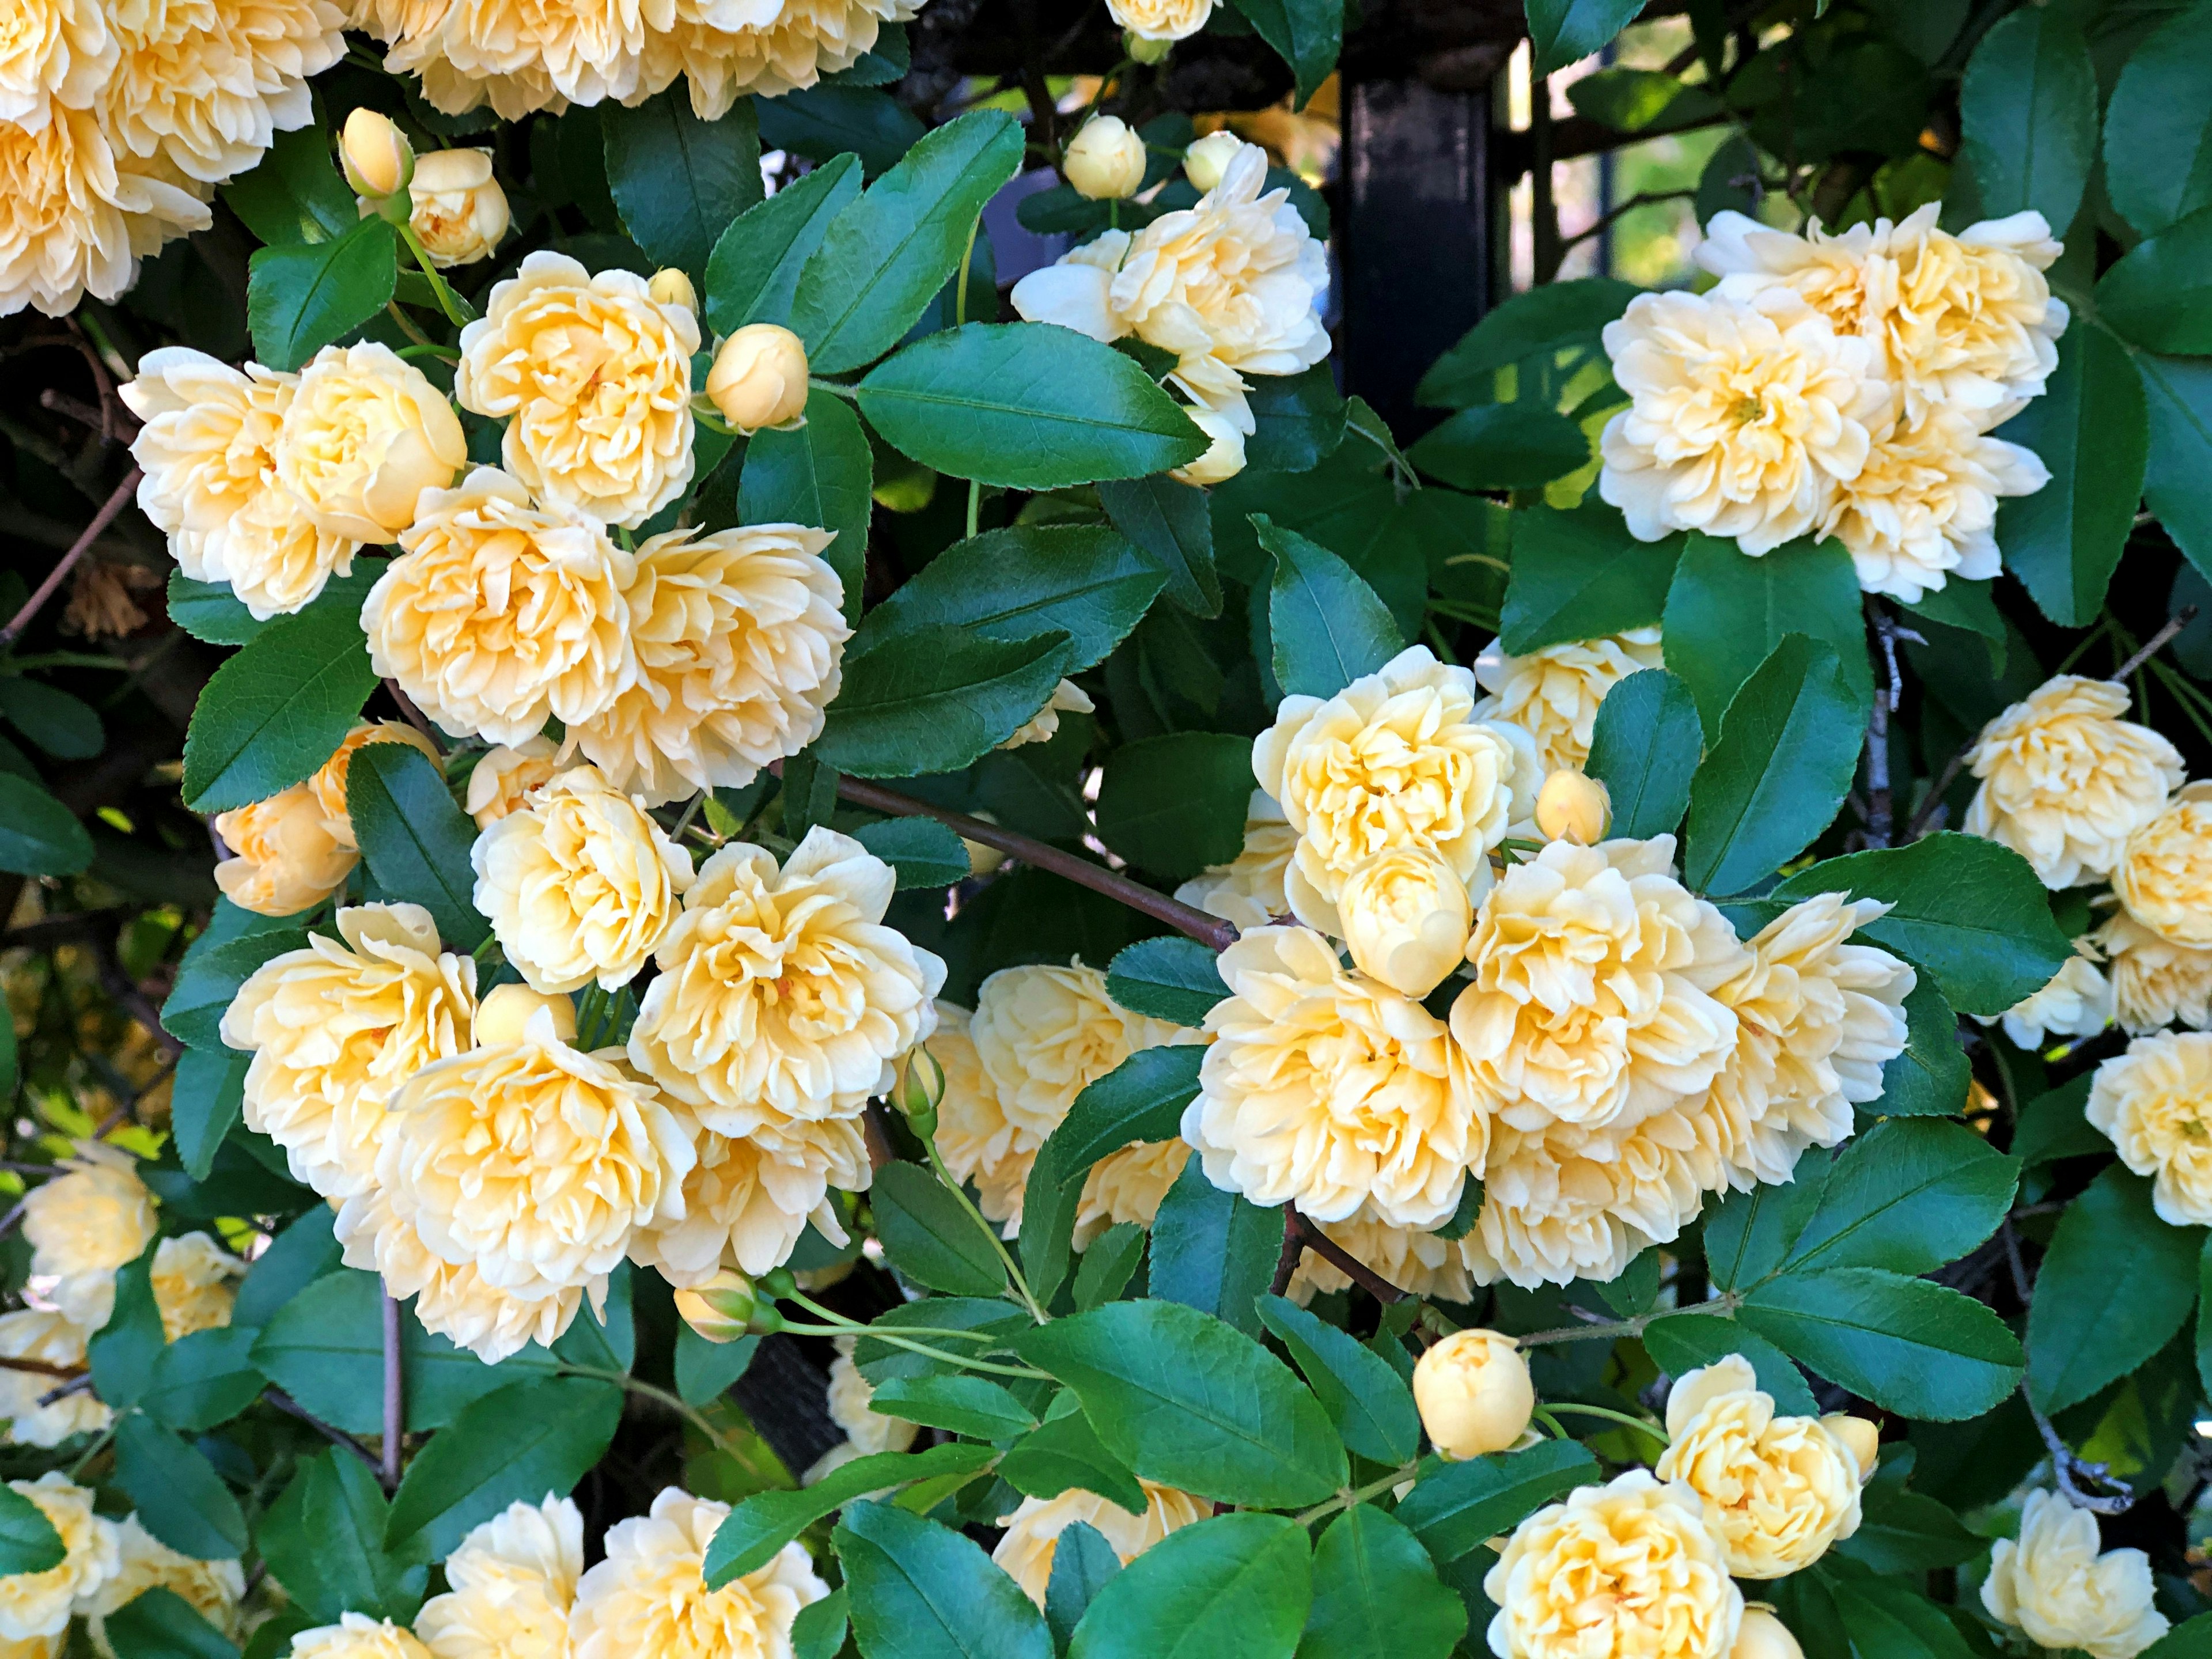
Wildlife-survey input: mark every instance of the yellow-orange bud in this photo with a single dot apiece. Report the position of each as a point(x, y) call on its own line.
point(1474, 1393)
point(378, 161)
point(1571, 806)
point(1105, 162)
point(1762, 1636)
point(759, 378)
point(722, 1309)
point(671, 287)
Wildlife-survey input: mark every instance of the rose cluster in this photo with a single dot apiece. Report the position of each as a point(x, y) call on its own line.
point(1840, 385)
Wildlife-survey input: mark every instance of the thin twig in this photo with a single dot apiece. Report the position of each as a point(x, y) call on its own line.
point(1308, 1236)
point(1615, 1330)
point(40, 1368)
point(45, 591)
point(395, 1414)
point(2065, 1466)
point(1932, 802)
point(416, 717)
point(2157, 641)
point(1643, 198)
point(337, 1437)
point(75, 1385)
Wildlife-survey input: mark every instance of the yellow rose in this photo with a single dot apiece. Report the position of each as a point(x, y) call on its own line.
point(1778, 1491)
point(2053, 1586)
point(2076, 1001)
point(2154, 982)
point(866, 1431)
point(1554, 694)
point(2164, 876)
point(512, 1580)
point(1248, 891)
point(1043, 1035)
point(781, 997)
point(499, 614)
point(739, 640)
point(453, 1300)
point(328, 785)
point(1626, 1570)
point(1032, 1534)
point(1764, 1637)
point(650, 1595)
point(1328, 1091)
point(1067, 698)
point(35, 1333)
point(204, 90)
point(1572, 807)
point(1568, 1202)
point(458, 211)
point(2065, 781)
point(1743, 416)
point(2155, 1105)
point(57, 52)
point(1396, 756)
point(1127, 1185)
point(1413, 1258)
point(287, 859)
point(671, 287)
point(1105, 160)
point(356, 1636)
point(1225, 430)
point(364, 436)
point(502, 780)
point(977, 1141)
point(82, 1224)
point(746, 1202)
point(759, 378)
point(35, 1604)
point(593, 380)
point(335, 1028)
point(801, 41)
point(375, 155)
point(1474, 1393)
point(1406, 917)
point(1168, 20)
point(517, 55)
point(195, 1282)
point(211, 1589)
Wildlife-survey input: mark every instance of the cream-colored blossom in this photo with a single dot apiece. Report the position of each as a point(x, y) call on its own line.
point(739, 639)
point(502, 780)
point(1033, 1530)
point(207, 88)
point(52, 53)
point(1406, 917)
point(2065, 780)
point(2076, 1001)
point(1552, 693)
point(1248, 891)
point(35, 1604)
point(1105, 159)
point(195, 1282)
point(286, 857)
point(746, 1202)
point(1743, 416)
point(1161, 19)
point(650, 1597)
point(335, 1028)
point(1574, 806)
point(76, 214)
point(1567, 1202)
point(1626, 1570)
point(38, 1333)
point(2163, 875)
point(593, 377)
point(759, 378)
point(328, 785)
point(977, 1141)
point(451, 1299)
point(728, 48)
point(1067, 698)
point(2156, 982)
point(2054, 1587)
point(1396, 756)
point(364, 436)
point(512, 1580)
point(1045, 1034)
point(1127, 1185)
point(1330, 1092)
point(83, 1223)
point(1474, 1392)
point(532, 54)
point(499, 614)
point(1778, 1491)
point(2155, 1105)
point(783, 998)
point(866, 1431)
point(457, 209)
point(357, 1636)
point(1413, 1258)
point(213, 1589)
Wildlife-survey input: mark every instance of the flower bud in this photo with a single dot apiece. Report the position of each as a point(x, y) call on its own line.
point(1861, 1439)
point(759, 378)
point(456, 207)
point(1762, 1636)
point(778, 1282)
point(1406, 918)
point(1224, 458)
point(504, 1014)
point(1105, 161)
point(671, 287)
point(1143, 49)
point(379, 162)
point(723, 1309)
point(1571, 806)
point(1474, 1393)
point(920, 1088)
point(1205, 161)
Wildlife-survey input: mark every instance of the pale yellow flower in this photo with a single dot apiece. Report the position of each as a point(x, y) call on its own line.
point(329, 783)
point(1161, 19)
point(739, 638)
point(593, 377)
point(451, 1299)
point(1778, 1491)
point(288, 859)
point(746, 1202)
point(1744, 415)
point(1763, 1636)
point(730, 47)
point(38, 1333)
point(1626, 1570)
point(374, 155)
point(783, 998)
point(650, 1595)
point(1043, 1035)
point(336, 1028)
point(977, 1141)
point(512, 1580)
point(1413, 1258)
point(2076, 1001)
point(759, 378)
point(2155, 1105)
point(208, 87)
point(1205, 161)
point(35, 1604)
point(1328, 1091)
point(1127, 1185)
point(1032, 1534)
point(1574, 806)
point(1067, 698)
point(866, 1431)
point(501, 782)
point(1474, 1393)
point(522, 55)
point(52, 53)
point(1225, 430)
point(458, 209)
point(2054, 1587)
point(2164, 876)
point(1568, 1202)
point(364, 436)
point(195, 1282)
point(211, 1589)
point(1248, 891)
point(356, 1636)
point(82, 1224)
point(499, 614)
point(1105, 160)
point(1554, 694)
point(1406, 917)
point(77, 216)
point(1396, 756)
point(2154, 982)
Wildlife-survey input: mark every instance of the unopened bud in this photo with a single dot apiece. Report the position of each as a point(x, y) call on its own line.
point(1762, 1636)
point(1571, 806)
point(671, 287)
point(505, 1014)
point(1861, 1438)
point(1143, 49)
point(1205, 161)
point(919, 1090)
point(726, 1308)
point(1105, 162)
point(1474, 1393)
point(378, 161)
point(759, 378)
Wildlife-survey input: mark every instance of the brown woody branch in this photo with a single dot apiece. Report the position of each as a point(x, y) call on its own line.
point(114, 505)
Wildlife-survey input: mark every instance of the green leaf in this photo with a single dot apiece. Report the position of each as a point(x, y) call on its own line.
point(1930, 1077)
point(1563, 32)
point(1968, 911)
point(213, 970)
point(294, 194)
point(160, 1623)
point(1170, 521)
point(302, 297)
point(1502, 447)
point(1910, 1194)
point(1377, 1594)
point(823, 122)
point(819, 475)
point(754, 270)
point(1455, 1507)
point(2114, 1287)
point(1644, 748)
point(2158, 131)
point(921, 1591)
point(203, 1379)
point(121, 1352)
point(2092, 431)
point(1684, 1342)
point(180, 1498)
point(1234, 1587)
point(1540, 322)
point(1026, 405)
point(1726, 614)
point(1140, 1099)
point(66, 728)
point(1065, 1453)
point(879, 1361)
point(1580, 575)
point(211, 611)
point(272, 715)
point(1298, 420)
point(304, 1252)
point(1168, 978)
point(28, 1542)
point(39, 835)
point(1326, 626)
point(704, 1369)
point(1748, 1234)
point(2028, 108)
point(609, 1345)
point(205, 1102)
point(680, 181)
point(973, 1405)
point(2052, 1126)
point(1213, 1250)
point(2178, 473)
point(526, 1440)
point(1174, 805)
point(1908, 1532)
point(1909, 1345)
point(1369, 1403)
point(934, 698)
point(1085, 581)
point(415, 840)
point(922, 852)
point(885, 255)
point(1082, 1562)
point(2187, 1640)
point(818, 1631)
point(929, 1238)
point(752, 1532)
point(1109, 1261)
point(325, 1542)
point(2158, 295)
point(1782, 766)
point(1307, 34)
point(1887, 1619)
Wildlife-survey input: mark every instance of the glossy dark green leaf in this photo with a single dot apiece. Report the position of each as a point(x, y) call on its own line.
point(2028, 108)
point(1169, 521)
point(1369, 1404)
point(754, 269)
point(303, 1252)
point(2158, 130)
point(324, 1541)
point(1377, 1594)
point(2115, 1285)
point(819, 475)
point(818, 1631)
point(922, 852)
point(294, 194)
point(526, 1440)
point(1140, 1099)
point(1579, 576)
point(211, 611)
point(2158, 296)
point(1909, 1345)
point(758, 1526)
point(205, 1102)
point(929, 1236)
point(302, 296)
point(121, 1352)
point(1213, 1250)
point(822, 123)
point(1174, 805)
point(2177, 471)
point(1910, 1194)
point(973, 1405)
point(922, 1591)
point(1908, 1532)
point(1109, 1261)
point(1748, 1234)
point(415, 839)
point(273, 714)
point(608, 1344)
point(1455, 1506)
point(1168, 978)
point(2190, 1639)
point(65, 726)
point(1929, 1078)
point(1082, 1562)
point(1540, 322)
point(2052, 1126)
point(1327, 628)
point(180, 1498)
point(203, 1379)
point(28, 1542)
point(1895, 1621)
point(1727, 612)
point(157, 1623)
point(39, 835)
point(1307, 34)
point(1086, 581)
point(220, 961)
point(1298, 420)
point(679, 181)
point(1564, 31)
point(1684, 1342)
point(1066, 1452)
point(1234, 1587)
point(934, 698)
point(704, 1369)
point(1644, 748)
point(1501, 447)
